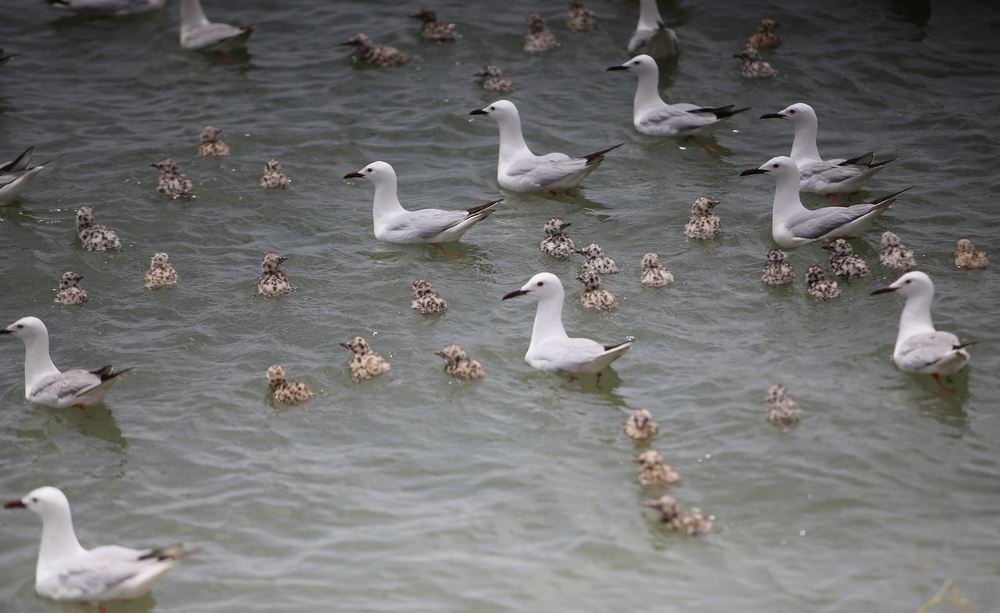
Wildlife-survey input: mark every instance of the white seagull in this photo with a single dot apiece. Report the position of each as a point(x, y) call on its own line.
point(919, 347)
point(793, 225)
point(15, 176)
point(520, 170)
point(67, 571)
point(44, 384)
point(652, 36)
point(551, 348)
point(394, 224)
point(198, 33)
point(819, 176)
point(651, 115)
point(115, 8)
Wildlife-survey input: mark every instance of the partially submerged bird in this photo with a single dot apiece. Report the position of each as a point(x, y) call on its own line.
point(17, 174)
point(520, 170)
point(843, 261)
point(640, 425)
point(777, 271)
point(651, 35)
point(920, 348)
point(285, 391)
point(426, 300)
point(766, 36)
point(44, 384)
point(690, 523)
point(200, 34)
point(894, 254)
point(67, 571)
point(579, 17)
point(493, 80)
point(95, 237)
point(593, 295)
point(69, 290)
point(432, 29)
point(551, 348)
point(819, 176)
point(539, 39)
point(653, 273)
point(753, 66)
point(161, 273)
point(394, 224)
point(172, 181)
point(460, 365)
point(781, 410)
point(113, 8)
point(651, 115)
point(274, 176)
point(376, 55)
point(364, 363)
point(273, 281)
point(703, 224)
point(211, 144)
point(596, 261)
point(967, 257)
point(653, 471)
point(556, 243)
point(818, 286)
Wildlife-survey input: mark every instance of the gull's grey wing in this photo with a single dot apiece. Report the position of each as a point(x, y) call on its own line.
point(109, 7)
point(213, 34)
point(546, 170)
point(819, 223)
point(830, 171)
point(425, 223)
point(923, 350)
point(7, 178)
point(85, 582)
point(678, 117)
point(68, 384)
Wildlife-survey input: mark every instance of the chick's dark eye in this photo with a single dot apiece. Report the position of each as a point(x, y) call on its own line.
point(541, 283)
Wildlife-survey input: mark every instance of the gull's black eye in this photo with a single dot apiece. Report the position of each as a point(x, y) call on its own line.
point(909, 280)
point(34, 499)
point(369, 171)
point(635, 63)
point(493, 108)
point(541, 283)
point(20, 326)
point(775, 165)
point(791, 111)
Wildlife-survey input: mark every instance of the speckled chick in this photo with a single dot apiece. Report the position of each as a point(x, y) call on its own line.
point(439, 31)
point(780, 409)
point(843, 262)
point(818, 286)
point(579, 17)
point(703, 224)
point(539, 39)
point(69, 290)
point(274, 177)
point(95, 237)
point(272, 281)
point(376, 55)
point(690, 523)
point(211, 144)
point(493, 80)
point(161, 273)
point(778, 270)
point(653, 273)
point(172, 181)
point(766, 37)
point(426, 300)
point(640, 426)
point(753, 66)
point(364, 363)
point(653, 471)
point(893, 254)
point(557, 243)
point(284, 391)
point(593, 295)
point(460, 365)
point(967, 257)
point(596, 261)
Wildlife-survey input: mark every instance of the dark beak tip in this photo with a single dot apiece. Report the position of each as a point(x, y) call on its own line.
point(752, 171)
point(14, 504)
point(478, 112)
point(882, 290)
point(514, 294)
point(772, 116)
point(353, 175)
point(611, 68)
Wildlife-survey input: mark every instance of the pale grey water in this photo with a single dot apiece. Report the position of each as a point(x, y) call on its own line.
point(417, 493)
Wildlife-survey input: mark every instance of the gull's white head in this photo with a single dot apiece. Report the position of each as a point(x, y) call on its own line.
point(781, 166)
point(44, 501)
point(913, 283)
point(27, 328)
point(376, 172)
point(799, 112)
point(543, 285)
point(500, 111)
point(639, 65)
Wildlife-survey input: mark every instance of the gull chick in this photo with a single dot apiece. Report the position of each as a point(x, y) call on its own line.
point(376, 55)
point(781, 410)
point(95, 237)
point(539, 39)
point(44, 384)
point(653, 273)
point(17, 174)
point(520, 170)
point(653, 471)
point(69, 290)
point(690, 523)
point(594, 296)
point(651, 35)
point(172, 181)
point(778, 270)
point(285, 391)
point(579, 17)
point(920, 348)
point(272, 281)
point(426, 300)
point(894, 254)
point(161, 273)
point(596, 261)
point(440, 31)
point(818, 286)
point(766, 37)
point(556, 243)
point(843, 262)
point(67, 571)
point(967, 257)
point(551, 348)
point(753, 66)
point(364, 362)
point(274, 177)
point(460, 365)
point(703, 224)
point(211, 144)
point(493, 80)
point(200, 34)
point(640, 425)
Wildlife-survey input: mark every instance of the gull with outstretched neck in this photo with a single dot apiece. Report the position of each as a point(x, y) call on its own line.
point(551, 348)
point(520, 170)
point(793, 225)
point(651, 35)
point(920, 348)
point(198, 33)
point(16, 175)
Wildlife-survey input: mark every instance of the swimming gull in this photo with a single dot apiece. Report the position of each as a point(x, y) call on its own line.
point(432, 29)
point(376, 55)
point(653, 273)
point(818, 286)
point(115, 8)
point(596, 261)
point(172, 181)
point(272, 281)
point(211, 144)
point(594, 296)
point(95, 237)
point(844, 263)
point(16, 175)
point(198, 33)
point(70, 291)
point(539, 39)
point(426, 300)
point(651, 35)
point(364, 362)
point(778, 270)
point(640, 425)
point(284, 391)
point(967, 257)
point(161, 273)
point(459, 364)
point(274, 176)
point(579, 17)
point(894, 254)
point(557, 243)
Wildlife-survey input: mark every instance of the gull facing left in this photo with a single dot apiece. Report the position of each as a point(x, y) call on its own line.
point(44, 384)
point(551, 348)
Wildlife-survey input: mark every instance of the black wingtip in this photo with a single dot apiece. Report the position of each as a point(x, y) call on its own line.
point(598, 155)
point(616, 346)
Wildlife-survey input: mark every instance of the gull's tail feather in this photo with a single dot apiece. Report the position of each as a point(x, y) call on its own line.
point(720, 112)
point(484, 207)
point(175, 552)
point(963, 345)
point(885, 201)
point(597, 156)
point(21, 162)
point(867, 160)
point(107, 373)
